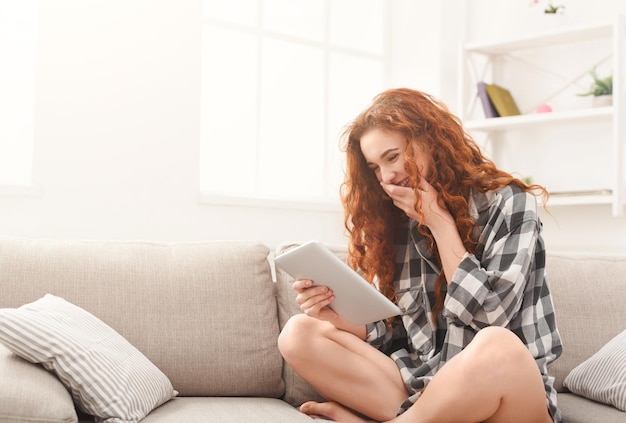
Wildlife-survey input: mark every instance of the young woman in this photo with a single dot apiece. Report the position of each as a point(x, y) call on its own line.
point(457, 244)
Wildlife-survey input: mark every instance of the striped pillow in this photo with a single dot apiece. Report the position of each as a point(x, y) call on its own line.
point(107, 376)
point(602, 377)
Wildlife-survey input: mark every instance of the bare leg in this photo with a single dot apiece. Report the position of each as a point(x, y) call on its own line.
point(343, 369)
point(494, 380)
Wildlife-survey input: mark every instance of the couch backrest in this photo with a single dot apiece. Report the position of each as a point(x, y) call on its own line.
point(589, 296)
point(204, 313)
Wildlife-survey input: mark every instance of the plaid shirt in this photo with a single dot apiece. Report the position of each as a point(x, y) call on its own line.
point(502, 284)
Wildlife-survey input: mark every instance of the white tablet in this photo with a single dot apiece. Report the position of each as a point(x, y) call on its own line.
point(356, 300)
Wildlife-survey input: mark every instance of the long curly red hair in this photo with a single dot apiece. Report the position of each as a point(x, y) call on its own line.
point(458, 165)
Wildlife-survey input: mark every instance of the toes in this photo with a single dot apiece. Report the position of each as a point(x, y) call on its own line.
point(318, 409)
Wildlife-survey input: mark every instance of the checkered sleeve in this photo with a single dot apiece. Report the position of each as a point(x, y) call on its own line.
point(490, 291)
point(377, 334)
point(383, 337)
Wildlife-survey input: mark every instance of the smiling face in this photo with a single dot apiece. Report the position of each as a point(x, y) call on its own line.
point(384, 153)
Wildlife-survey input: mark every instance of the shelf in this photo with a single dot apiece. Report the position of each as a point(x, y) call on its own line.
point(521, 121)
point(578, 199)
point(573, 34)
point(491, 60)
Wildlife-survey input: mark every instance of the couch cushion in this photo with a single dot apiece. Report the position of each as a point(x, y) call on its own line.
point(576, 409)
point(297, 390)
point(227, 410)
point(588, 294)
point(602, 377)
point(107, 376)
point(29, 393)
point(203, 312)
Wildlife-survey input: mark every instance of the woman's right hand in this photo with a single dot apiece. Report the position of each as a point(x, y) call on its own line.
point(314, 299)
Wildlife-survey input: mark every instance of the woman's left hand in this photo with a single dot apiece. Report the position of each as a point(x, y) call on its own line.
point(404, 198)
point(436, 217)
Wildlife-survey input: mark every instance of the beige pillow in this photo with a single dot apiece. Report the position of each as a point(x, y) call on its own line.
point(107, 376)
point(29, 393)
point(602, 377)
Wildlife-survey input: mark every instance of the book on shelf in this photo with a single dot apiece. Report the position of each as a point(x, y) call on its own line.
point(502, 100)
point(488, 107)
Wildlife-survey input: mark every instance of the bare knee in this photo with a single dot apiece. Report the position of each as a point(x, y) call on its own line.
point(499, 349)
point(508, 365)
point(498, 337)
point(289, 337)
point(298, 336)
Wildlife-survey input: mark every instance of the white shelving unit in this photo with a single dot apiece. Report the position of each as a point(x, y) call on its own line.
point(479, 59)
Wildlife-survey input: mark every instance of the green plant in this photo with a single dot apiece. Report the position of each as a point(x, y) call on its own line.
point(551, 8)
point(600, 86)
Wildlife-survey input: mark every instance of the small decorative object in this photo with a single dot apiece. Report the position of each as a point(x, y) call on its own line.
point(544, 108)
point(601, 89)
point(546, 15)
point(603, 100)
point(550, 7)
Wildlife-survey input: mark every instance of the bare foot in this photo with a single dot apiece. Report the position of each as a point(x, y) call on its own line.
point(332, 411)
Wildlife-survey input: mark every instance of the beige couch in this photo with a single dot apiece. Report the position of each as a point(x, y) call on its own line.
point(208, 314)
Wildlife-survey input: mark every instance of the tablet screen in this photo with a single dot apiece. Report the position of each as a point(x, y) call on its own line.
point(356, 300)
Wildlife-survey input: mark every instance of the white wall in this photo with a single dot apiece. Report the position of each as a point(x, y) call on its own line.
point(117, 130)
point(117, 126)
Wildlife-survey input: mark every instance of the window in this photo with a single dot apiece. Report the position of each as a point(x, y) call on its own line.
point(280, 79)
point(17, 88)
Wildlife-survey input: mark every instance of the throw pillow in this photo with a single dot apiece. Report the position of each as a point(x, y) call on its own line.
point(106, 375)
point(29, 393)
point(602, 377)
